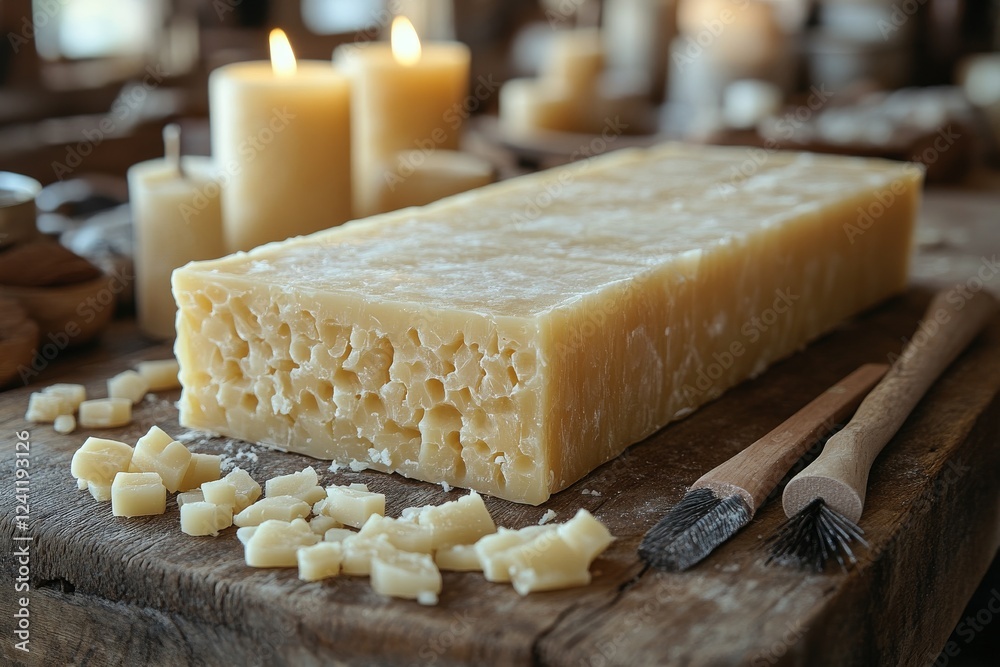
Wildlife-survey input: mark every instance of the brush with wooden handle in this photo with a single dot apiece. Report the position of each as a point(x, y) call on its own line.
point(825, 501)
point(724, 499)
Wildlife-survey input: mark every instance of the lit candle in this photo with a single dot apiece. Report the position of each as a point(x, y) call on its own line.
point(281, 136)
point(421, 178)
point(406, 96)
point(176, 219)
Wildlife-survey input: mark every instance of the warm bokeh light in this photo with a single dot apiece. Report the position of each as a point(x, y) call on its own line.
point(282, 58)
point(405, 43)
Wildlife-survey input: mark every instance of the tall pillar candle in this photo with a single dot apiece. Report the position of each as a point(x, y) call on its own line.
point(404, 97)
point(176, 219)
point(281, 133)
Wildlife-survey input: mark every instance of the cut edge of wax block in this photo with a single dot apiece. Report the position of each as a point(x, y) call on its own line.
point(539, 343)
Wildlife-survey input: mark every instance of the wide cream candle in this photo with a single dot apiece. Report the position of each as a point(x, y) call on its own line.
point(176, 219)
point(405, 96)
point(281, 133)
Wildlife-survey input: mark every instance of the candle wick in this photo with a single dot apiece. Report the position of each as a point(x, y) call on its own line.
point(172, 147)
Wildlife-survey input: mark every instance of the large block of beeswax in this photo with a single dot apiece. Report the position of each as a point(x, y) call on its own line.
point(513, 338)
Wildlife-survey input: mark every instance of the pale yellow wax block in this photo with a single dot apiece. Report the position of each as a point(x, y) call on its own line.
point(358, 486)
point(575, 61)
point(494, 550)
point(160, 374)
point(205, 518)
point(351, 507)
point(304, 485)
point(128, 384)
point(275, 543)
point(403, 535)
point(158, 452)
point(44, 408)
point(398, 107)
point(284, 144)
point(64, 424)
point(105, 413)
point(176, 218)
point(98, 461)
point(319, 561)
point(221, 492)
point(406, 575)
point(322, 524)
point(458, 558)
point(72, 394)
point(190, 497)
point(641, 285)
point(138, 494)
point(359, 552)
point(336, 534)
point(461, 521)
point(280, 508)
point(100, 492)
point(202, 468)
point(247, 489)
point(417, 177)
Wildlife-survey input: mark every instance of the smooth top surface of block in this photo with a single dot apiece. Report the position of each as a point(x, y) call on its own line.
point(566, 235)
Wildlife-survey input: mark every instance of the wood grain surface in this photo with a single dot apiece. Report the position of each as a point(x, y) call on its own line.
point(113, 591)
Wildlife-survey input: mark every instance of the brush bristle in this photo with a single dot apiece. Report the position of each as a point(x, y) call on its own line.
point(693, 528)
point(810, 538)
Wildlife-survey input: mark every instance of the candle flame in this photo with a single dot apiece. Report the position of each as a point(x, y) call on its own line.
point(404, 41)
point(282, 58)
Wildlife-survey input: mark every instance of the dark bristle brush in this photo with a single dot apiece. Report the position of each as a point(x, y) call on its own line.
point(824, 502)
point(726, 498)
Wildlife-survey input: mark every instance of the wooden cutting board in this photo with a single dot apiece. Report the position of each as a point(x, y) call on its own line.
point(112, 591)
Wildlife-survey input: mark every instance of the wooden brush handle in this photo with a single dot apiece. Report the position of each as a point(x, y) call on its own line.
point(756, 471)
point(840, 474)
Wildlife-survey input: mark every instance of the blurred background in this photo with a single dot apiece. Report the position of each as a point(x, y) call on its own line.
point(86, 87)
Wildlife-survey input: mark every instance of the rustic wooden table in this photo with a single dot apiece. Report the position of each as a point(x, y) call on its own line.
point(137, 591)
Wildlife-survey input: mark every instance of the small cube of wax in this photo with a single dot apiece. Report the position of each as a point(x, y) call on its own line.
point(406, 575)
point(220, 492)
point(275, 543)
point(245, 533)
point(319, 561)
point(461, 521)
point(303, 484)
point(337, 534)
point(357, 486)
point(44, 408)
point(458, 558)
point(403, 535)
point(138, 494)
point(158, 452)
point(350, 506)
point(128, 384)
point(160, 375)
point(81, 484)
point(64, 424)
point(202, 468)
point(105, 413)
point(195, 496)
point(547, 563)
point(275, 508)
point(359, 552)
point(247, 489)
point(98, 461)
point(321, 524)
point(72, 394)
point(586, 534)
point(205, 518)
point(100, 492)
point(494, 550)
